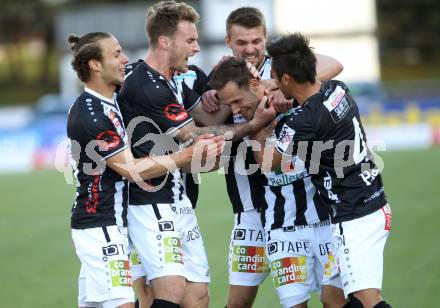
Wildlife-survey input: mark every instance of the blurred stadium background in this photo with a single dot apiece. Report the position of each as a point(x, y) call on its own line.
point(391, 58)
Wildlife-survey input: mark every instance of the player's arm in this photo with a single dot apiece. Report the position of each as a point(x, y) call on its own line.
point(206, 118)
point(327, 67)
point(137, 169)
point(262, 116)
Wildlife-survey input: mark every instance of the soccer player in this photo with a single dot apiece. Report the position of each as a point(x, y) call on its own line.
point(98, 140)
point(326, 133)
point(162, 223)
point(296, 223)
point(197, 80)
point(247, 38)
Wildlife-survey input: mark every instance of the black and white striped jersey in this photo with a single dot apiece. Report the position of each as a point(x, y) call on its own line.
point(245, 185)
point(326, 132)
point(291, 197)
point(153, 109)
point(96, 132)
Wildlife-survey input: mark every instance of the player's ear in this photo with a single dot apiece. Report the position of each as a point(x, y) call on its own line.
point(254, 83)
point(95, 65)
point(285, 79)
point(164, 42)
point(228, 40)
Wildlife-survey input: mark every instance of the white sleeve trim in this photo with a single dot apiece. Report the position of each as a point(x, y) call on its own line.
point(114, 153)
point(173, 129)
point(195, 104)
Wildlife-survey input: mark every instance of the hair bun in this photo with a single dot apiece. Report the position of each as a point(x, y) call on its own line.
point(73, 40)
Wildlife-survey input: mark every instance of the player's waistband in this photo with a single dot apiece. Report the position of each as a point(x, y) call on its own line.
point(312, 226)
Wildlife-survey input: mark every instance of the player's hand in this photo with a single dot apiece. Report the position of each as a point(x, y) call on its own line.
point(210, 101)
point(253, 70)
point(208, 146)
point(264, 114)
point(279, 102)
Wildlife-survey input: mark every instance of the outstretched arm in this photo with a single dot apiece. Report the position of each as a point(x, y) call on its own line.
point(138, 169)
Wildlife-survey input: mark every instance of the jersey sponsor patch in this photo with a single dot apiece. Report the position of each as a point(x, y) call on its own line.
point(175, 112)
point(249, 259)
point(120, 273)
point(285, 137)
point(108, 140)
point(337, 104)
point(289, 270)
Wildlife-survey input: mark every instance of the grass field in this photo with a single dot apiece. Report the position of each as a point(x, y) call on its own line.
point(39, 267)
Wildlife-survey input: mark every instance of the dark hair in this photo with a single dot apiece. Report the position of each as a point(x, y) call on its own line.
point(164, 16)
point(232, 69)
point(85, 48)
point(248, 17)
point(292, 55)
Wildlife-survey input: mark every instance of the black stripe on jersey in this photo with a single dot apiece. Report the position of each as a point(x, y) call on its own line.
point(299, 192)
point(232, 188)
point(257, 191)
point(278, 209)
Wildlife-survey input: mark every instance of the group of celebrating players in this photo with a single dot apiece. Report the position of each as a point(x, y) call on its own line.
point(308, 200)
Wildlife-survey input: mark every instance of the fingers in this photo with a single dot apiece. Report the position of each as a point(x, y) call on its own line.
point(210, 102)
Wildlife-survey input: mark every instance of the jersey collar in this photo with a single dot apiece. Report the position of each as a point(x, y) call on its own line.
point(100, 96)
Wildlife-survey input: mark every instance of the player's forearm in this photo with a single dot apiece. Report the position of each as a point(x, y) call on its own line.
point(155, 166)
point(327, 67)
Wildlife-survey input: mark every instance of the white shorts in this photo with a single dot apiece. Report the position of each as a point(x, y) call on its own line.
point(248, 264)
point(168, 240)
point(300, 256)
point(359, 246)
point(105, 271)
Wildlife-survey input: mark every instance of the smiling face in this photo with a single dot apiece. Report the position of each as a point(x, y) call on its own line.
point(183, 45)
point(113, 61)
point(242, 100)
point(248, 43)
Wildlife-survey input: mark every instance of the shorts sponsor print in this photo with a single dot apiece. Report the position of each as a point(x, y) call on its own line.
point(248, 263)
point(249, 259)
point(173, 250)
point(120, 273)
point(289, 270)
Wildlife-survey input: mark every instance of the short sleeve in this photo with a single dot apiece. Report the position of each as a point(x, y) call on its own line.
point(293, 129)
point(162, 108)
point(104, 131)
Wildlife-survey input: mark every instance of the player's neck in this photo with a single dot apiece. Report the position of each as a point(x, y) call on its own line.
point(302, 92)
point(158, 61)
point(101, 87)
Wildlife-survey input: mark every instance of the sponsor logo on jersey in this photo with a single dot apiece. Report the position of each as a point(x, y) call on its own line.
point(108, 140)
point(120, 273)
point(285, 137)
point(173, 250)
point(175, 112)
point(337, 104)
point(249, 259)
point(289, 270)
